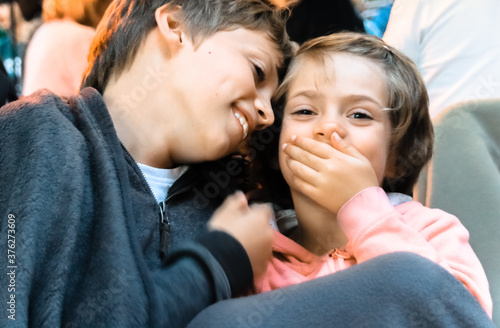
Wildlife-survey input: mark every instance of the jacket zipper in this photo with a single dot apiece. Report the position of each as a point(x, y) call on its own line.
point(164, 229)
point(164, 221)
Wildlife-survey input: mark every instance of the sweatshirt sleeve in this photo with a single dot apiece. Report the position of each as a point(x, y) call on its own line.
point(232, 257)
point(374, 227)
point(78, 260)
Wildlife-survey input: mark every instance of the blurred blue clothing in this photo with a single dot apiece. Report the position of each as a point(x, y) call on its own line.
point(377, 24)
point(11, 60)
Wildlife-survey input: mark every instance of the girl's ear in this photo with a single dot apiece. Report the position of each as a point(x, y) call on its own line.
point(168, 19)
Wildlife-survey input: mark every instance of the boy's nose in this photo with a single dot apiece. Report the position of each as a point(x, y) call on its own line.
point(265, 114)
point(324, 129)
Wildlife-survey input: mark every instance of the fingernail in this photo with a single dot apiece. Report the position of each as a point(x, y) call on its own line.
point(284, 146)
point(294, 137)
point(336, 136)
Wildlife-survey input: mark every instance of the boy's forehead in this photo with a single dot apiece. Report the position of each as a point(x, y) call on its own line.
point(258, 39)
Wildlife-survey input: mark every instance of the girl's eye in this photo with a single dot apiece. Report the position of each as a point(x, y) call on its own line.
point(361, 115)
point(303, 112)
point(261, 76)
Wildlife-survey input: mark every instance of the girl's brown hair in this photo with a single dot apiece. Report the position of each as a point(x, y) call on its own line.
point(412, 132)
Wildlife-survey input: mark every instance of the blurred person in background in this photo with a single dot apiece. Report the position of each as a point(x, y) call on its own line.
point(455, 44)
point(7, 89)
point(313, 18)
point(57, 54)
point(17, 25)
point(375, 14)
point(30, 9)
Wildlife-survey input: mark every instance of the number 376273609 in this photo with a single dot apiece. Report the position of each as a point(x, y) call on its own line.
point(11, 239)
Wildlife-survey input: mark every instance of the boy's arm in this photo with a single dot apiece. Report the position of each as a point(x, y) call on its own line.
point(77, 260)
point(197, 275)
point(374, 227)
point(249, 224)
point(219, 264)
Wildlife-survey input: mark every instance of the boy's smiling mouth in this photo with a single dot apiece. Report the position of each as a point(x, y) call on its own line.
point(243, 122)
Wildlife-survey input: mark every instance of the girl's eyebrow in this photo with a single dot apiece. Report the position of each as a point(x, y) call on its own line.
point(353, 98)
point(356, 98)
point(303, 93)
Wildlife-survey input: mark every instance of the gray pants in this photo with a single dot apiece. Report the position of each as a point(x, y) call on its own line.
point(394, 290)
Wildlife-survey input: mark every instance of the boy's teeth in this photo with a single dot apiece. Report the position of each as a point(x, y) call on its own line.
point(243, 123)
point(245, 130)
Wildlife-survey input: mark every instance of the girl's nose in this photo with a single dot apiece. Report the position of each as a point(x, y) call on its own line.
point(324, 129)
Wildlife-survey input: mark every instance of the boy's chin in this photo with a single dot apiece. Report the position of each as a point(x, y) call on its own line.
point(201, 159)
point(212, 153)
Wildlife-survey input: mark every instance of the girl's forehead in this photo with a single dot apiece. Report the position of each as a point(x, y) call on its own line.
point(325, 64)
point(311, 71)
point(340, 74)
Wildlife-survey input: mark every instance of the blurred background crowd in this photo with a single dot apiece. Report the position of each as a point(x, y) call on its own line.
point(44, 43)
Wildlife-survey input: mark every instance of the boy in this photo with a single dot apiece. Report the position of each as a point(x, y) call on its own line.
point(173, 84)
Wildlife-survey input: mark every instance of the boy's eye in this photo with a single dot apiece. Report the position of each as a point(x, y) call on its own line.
point(261, 76)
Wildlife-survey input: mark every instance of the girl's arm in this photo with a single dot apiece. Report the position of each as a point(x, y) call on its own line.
point(374, 227)
point(340, 179)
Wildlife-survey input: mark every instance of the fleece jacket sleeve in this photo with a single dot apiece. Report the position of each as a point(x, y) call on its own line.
point(374, 227)
point(77, 260)
point(232, 257)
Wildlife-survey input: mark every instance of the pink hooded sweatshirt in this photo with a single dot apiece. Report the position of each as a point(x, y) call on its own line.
point(374, 227)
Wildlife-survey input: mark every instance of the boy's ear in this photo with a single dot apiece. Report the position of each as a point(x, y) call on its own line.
point(169, 22)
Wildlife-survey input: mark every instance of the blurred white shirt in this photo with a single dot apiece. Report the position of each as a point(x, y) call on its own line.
point(455, 45)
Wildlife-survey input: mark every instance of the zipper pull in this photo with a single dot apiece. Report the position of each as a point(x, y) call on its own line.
point(164, 231)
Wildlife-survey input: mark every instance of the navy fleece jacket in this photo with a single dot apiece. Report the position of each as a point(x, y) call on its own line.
point(84, 227)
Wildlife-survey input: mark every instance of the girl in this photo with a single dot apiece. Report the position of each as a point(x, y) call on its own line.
point(355, 134)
